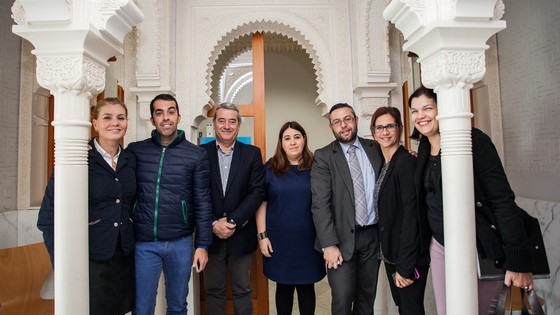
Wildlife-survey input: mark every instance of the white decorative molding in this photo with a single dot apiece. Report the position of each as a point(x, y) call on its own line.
point(499, 10)
point(447, 68)
point(46, 12)
point(377, 43)
point(18, 13)
point(118, 17)
point(368, 106)
point(148, 43)
point(69, 73)
point(322, 31)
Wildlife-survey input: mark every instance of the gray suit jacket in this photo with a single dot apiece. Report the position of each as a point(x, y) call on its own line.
point(333, 195)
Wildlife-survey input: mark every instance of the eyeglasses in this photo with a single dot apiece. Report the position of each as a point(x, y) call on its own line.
point(347, 120)
point(389, 127)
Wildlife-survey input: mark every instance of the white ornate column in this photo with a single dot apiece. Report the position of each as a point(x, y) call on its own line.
point(450, 39)
point(372, 71)
point(155, 54)
point(73, 40)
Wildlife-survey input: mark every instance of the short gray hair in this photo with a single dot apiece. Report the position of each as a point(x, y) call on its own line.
point(227, 105)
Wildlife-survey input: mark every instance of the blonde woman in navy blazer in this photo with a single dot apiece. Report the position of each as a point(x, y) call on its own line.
point(112, 189)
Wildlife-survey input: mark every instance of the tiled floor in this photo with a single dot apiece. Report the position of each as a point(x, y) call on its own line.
point(383, 305)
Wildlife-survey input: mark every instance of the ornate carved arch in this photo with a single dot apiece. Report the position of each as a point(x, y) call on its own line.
point(285, 24)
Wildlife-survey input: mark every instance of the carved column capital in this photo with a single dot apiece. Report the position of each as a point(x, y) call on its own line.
point(453, 67)
point(76, 73)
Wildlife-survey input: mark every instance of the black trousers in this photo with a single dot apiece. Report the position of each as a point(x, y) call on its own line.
point(112, 285)
point(410, 299)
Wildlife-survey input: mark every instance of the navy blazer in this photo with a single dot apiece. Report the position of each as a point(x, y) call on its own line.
point(243, 195)
point(500, 233)
point(110, 199)
point(399, 227)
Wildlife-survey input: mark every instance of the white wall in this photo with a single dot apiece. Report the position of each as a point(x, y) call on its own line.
point(290, 92)
point(10, 51)
point(529, 65)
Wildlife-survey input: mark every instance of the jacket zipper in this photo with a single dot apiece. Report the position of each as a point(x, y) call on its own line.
point(158, 182)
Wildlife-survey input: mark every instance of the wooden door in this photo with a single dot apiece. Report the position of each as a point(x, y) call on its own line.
point(256, 110)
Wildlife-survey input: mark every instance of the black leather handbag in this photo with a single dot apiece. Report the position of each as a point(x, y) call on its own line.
point(536, 306)
point(490, 269)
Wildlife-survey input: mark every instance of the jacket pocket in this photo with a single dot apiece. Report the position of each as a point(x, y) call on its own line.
point(184, 209)
point(134, 207)
point(94, 222)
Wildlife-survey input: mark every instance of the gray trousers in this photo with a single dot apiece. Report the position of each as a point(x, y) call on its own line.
point(215, 274)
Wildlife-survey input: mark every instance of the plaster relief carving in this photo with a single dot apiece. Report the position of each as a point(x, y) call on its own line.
point(449, 68)
point(499, 10)
point(70, 73)
point(18, 13)
point(376, 37)
point(368, 105)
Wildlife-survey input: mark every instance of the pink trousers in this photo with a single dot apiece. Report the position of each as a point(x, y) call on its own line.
point(488, 291)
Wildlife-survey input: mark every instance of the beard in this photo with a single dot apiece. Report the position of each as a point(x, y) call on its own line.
point(346, 139)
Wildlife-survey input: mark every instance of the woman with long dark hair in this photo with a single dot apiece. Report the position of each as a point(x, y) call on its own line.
point(285, 224)
point(500, 233)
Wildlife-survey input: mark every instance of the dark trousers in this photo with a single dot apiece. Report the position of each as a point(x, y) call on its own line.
point(285, 298)
point(410, 299)
point(215, 273)
point(354, 283)
point(111, 284)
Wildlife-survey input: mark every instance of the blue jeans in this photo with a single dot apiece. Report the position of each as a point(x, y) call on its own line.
point(175, 258)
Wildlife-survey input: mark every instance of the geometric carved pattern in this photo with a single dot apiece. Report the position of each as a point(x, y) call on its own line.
point(368, 105)
point(453, 67)
point(264, 26)
point(69, 73)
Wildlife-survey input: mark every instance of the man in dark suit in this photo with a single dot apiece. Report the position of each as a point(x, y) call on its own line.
point(237, 187)
point(342, 185)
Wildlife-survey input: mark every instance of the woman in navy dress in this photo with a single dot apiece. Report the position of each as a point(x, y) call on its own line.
point(285, 224)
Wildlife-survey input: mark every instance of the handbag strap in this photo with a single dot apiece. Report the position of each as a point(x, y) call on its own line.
point(501, 306)
point(533, 299)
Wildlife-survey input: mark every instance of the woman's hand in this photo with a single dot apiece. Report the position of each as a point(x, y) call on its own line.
point(401, 282)
point(522, 280)
point(266, 247)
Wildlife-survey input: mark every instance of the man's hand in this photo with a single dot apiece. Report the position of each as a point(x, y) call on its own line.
point(223, 229)
point(332, 257)
point(200, 259)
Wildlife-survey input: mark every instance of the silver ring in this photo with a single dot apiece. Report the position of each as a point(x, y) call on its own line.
point(525, 288)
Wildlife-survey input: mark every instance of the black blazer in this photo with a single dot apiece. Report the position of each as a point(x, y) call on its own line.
point(111, 197)
point(499, 224)
point(399, 227)
point(243, 196)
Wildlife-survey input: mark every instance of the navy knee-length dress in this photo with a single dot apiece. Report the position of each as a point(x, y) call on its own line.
point(289, 224)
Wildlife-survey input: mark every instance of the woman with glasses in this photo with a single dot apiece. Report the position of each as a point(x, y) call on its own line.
point(406, 263)
point(112, 189)
point(499, 225)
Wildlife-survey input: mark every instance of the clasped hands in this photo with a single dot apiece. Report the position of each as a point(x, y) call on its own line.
point(333, 257)
point(223, 229)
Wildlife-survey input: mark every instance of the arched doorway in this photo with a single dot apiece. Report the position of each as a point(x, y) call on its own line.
point(290, 93)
